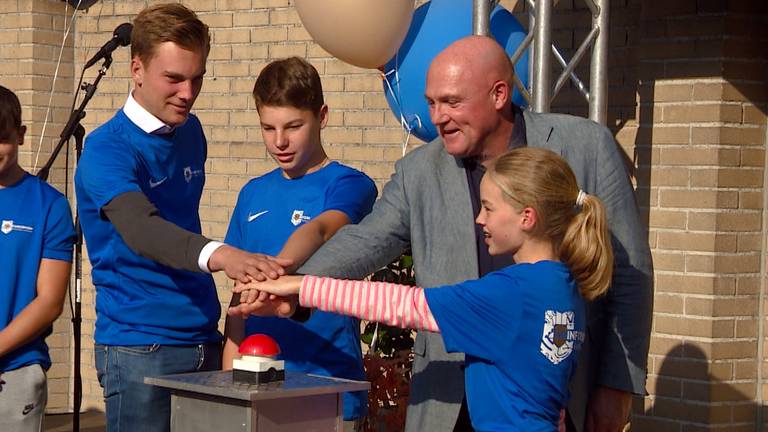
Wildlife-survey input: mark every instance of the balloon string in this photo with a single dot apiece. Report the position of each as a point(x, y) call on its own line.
point(67, 29)
point(403, 123)
point(407, 138)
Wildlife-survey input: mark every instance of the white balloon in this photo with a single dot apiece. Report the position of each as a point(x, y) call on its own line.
point(365, 33)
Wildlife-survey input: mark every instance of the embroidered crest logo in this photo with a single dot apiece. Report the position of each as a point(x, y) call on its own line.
point(189, 173)
point(298, 217)
point(7, 226)
point(559, 336)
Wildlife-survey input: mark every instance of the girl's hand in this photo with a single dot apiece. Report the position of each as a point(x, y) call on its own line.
point(285, 286)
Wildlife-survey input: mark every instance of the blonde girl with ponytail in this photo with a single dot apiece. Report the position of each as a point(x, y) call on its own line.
point(572, 220)
point(521, 327)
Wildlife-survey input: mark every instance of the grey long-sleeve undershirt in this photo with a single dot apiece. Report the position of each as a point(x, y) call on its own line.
point(147, 234)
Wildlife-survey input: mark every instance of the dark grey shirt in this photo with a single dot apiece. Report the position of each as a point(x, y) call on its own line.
point(475, 171)
point(142, 228)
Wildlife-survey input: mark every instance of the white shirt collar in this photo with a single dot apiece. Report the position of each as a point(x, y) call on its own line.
point(143, 118)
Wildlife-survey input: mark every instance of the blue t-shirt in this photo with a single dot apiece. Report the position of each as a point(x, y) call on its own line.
point(521, 329)
point(139, 301)
point(35, 224)
point(269, 209)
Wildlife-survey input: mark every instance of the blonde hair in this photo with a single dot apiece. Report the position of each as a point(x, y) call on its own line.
point(575, 222)
point(168, 22)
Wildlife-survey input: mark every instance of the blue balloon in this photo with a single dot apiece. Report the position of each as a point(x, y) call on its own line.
point(435, 25)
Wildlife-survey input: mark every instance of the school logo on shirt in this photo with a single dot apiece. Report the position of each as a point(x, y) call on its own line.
point(189, 173)
point(298, 217)
point(559, 337)
point(7, 226)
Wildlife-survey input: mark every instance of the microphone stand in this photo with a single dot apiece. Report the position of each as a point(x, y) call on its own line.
point(74, 128)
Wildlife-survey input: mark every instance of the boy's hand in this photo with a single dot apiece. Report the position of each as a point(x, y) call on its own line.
point(253, 295)
point(249, 293)
point(244, 266)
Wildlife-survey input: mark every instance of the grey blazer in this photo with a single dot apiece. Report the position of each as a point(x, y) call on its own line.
point(427, 204)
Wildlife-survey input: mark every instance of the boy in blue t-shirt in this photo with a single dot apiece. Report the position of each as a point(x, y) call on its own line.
point(36, 238)
point(290, 212)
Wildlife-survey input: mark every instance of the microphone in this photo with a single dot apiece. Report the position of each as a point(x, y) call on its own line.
point(120, 37)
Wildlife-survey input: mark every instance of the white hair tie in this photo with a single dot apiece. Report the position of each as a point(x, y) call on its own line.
point(580, 198)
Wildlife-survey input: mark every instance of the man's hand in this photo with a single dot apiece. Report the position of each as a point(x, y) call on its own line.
point(608, 410)
point(244, 266)
point(282, 307)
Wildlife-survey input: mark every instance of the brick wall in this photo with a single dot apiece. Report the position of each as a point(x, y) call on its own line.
point(687, 103)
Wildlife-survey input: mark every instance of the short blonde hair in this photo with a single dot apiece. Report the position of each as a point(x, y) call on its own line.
point(168, 22)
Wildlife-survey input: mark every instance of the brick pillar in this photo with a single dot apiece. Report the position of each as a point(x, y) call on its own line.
point(701, 148)
point(31, 34)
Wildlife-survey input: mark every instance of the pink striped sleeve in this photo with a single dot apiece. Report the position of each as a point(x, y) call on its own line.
point(396, 305)
point(305, 292)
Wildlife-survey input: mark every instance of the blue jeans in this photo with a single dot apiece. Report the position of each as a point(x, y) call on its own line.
point(134, 406)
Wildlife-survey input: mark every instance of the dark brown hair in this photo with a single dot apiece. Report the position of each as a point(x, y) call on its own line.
point(10, 115)
point(291, 82)
point(168, 22)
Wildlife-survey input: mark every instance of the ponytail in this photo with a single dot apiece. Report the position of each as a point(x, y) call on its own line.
point(586, 247)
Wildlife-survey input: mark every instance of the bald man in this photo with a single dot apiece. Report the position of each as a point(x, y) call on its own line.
point(431, 202)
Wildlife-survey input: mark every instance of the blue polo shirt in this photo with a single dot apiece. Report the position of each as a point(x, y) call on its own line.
point(521, 329)
point(269, 209)
point(139, 301)
point(35, 224)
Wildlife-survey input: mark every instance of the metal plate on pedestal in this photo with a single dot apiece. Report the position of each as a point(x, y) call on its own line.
point(220, 383)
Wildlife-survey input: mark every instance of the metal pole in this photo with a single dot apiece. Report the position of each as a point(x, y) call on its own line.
point(598, 71)
point(542, 66)
point(571, 65)
point(481, 17)
point(531, 32)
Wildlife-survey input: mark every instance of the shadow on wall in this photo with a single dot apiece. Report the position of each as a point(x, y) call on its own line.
point(688, 389)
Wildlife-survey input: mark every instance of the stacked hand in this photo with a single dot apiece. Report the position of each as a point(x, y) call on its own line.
point(269, 297)
point(246, 267)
